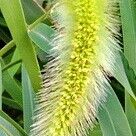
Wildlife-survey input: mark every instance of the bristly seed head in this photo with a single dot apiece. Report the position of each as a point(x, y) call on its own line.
point(74, 81)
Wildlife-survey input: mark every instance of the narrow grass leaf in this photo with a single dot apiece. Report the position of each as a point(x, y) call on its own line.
point(106, 123)
point(11, 124)
point(6, 48)
point(31, 10)
point(41, 35)
point(4, 36)
point(96, 131)
point(16, 56)
point(128, 17)
point(121, 75)
point(11, 103)
point(14, 17)
point(2, 22)
point(7, 129)
point(11, 86)
point(130, 106)
point(28, 98)
point(0, 86)
point(112, 118)
point(130, 75)
point(130, 103)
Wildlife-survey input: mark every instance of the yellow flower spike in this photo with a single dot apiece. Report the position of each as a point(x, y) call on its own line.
point(83, 53)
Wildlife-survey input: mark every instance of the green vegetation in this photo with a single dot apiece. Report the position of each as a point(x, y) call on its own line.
point(25, 32)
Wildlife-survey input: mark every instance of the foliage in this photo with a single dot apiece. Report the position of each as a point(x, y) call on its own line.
point(25, 32)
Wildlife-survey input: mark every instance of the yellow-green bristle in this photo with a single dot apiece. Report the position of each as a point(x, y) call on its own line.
point(81, 63)
point(74, 81)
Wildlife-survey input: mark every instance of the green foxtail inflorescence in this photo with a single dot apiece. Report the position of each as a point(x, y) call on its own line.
point(83, 52)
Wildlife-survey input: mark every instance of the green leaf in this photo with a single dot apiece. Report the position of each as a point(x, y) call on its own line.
point(10, 65)
point(121, 75)
point(11, 86)
point(106, 123)
point(2, 22)
point(41, 35)
point(128, 17)
point(16, 56)
point(11, 103)
point(112, 118)
point(6, 48)
point(4, 36)
point(130, 102)
point(28, 100)
point(40, 2)
point(130, 108)
point(10, 124)
point(96, 131)
point(0, 86)
point(7, 129)
point(130, 75)
point(31, 10)
point(14, 17)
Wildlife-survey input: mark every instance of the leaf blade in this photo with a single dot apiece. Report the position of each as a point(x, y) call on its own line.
point(28, 100)
point(41, 35)
point(116, 115)
point(11, 121)
point(16, 22)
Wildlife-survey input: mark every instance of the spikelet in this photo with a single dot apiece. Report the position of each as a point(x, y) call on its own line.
point(83, 52)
